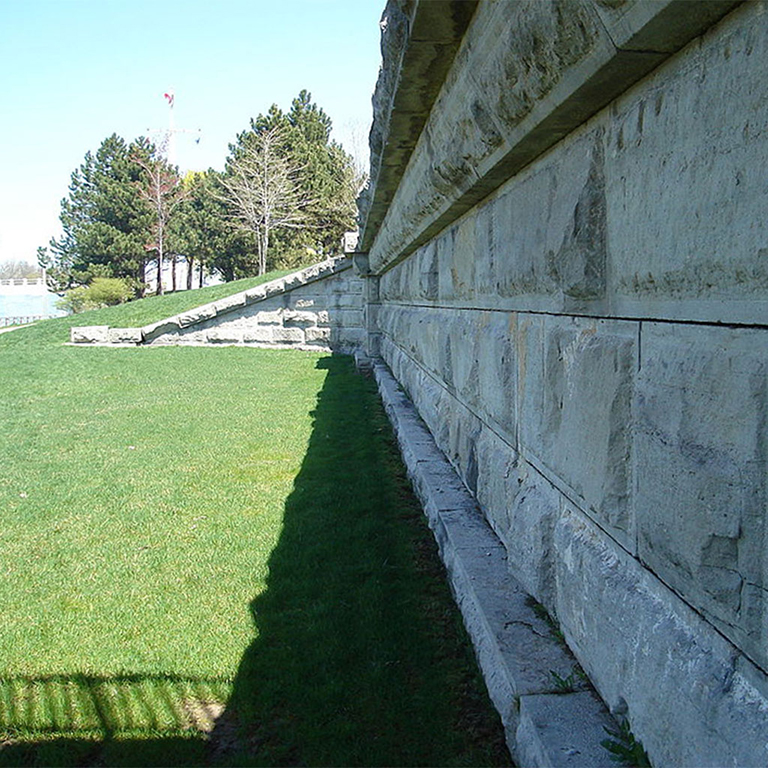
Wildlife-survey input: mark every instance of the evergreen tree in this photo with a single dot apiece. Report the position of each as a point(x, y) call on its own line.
point(203, 234)
point(105, 221)
point(328, 175)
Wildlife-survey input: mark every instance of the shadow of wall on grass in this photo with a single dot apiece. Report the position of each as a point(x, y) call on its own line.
point(361, 657)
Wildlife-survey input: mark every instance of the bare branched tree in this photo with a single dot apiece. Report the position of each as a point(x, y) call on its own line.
point(261, 186)
point(163, 190)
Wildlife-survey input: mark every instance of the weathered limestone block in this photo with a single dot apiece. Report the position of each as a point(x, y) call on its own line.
point(344, 318)
point(512, 252)
point(496, 348)
point(229, 334)
point(258, 293)
point(197, 315)
point(560, 730)
point(168, 328)
point(522, 508)
point(322, 317)
point(259, 334)
point(515, 82)
point(682, 152)
point(393, 285)
point(519, 53)
point(345, 301)
point(125, 336)
point(472, 353)
point(664, 25)
point(701, 505)
point(345, 341)
point(268, 317)
point(89, 334)
point(692, 700)
point(229, 303)
point(287, 335)
point(577, 382)
point(317, 335)
point(293, 318)
point(455, 428)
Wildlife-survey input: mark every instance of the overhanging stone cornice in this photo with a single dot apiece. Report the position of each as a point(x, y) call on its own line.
point(552, 66)
point(429, 34)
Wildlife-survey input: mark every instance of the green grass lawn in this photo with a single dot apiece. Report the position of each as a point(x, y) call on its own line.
point(211, 556)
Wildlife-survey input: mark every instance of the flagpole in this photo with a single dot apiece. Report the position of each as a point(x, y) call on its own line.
point(171, 97)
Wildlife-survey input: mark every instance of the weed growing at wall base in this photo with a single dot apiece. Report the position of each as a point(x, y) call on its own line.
point(212, 556)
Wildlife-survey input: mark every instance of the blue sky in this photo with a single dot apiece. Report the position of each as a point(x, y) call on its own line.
point(72, 72)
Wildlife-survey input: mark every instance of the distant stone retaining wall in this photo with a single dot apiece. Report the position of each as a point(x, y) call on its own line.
point(318, 308)
point(567, 245)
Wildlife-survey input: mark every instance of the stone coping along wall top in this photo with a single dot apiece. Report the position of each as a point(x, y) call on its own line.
point(104, 335)
point(440, 144)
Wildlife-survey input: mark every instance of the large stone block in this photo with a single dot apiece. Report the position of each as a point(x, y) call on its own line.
point(299, 319)
point(230, 303)
point(89, 334)
point(269, 317)
point(700, 465)
point(197, 315)
point(523, 508)
point(577, 382)
point(518, 53)
point(259, 335)
point(526, 74)
point(681, 151)
point(228, 334)
point(472, 354)
point(320, 336)
point(690, 698)
point(495, 348)
point(125, 336)
point(287, 335)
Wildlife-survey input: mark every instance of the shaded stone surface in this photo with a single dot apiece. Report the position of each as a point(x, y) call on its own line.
point(571, 291)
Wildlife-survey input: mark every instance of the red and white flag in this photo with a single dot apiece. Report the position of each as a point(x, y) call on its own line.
point(170, 97)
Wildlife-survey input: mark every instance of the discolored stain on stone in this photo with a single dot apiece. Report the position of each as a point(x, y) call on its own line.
point(578, 268)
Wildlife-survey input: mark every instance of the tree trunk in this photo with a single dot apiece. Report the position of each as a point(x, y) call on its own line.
point(201, 274)
point(190, 270)
point(173, 273)
point(264, 247)
point(159, 269)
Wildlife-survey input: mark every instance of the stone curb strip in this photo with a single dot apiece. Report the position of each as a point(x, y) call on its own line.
point(519, 657)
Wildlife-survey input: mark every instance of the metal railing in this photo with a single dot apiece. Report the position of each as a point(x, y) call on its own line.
point(21, 319)
point(23, 281)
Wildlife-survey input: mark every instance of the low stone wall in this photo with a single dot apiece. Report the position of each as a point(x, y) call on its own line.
point(570, 283)
point(318, 308)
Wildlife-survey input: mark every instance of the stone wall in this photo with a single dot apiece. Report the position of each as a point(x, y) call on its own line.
point(568, 277)
point(317, 308)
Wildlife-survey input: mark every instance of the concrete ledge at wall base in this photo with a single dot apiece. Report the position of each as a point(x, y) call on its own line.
point(520, 658)
point(221, 322)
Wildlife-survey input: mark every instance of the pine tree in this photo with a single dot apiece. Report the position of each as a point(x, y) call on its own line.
point(105, 221)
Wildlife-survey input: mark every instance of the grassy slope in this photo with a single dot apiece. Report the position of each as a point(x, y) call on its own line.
point(137, 313)
point(187, 527)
